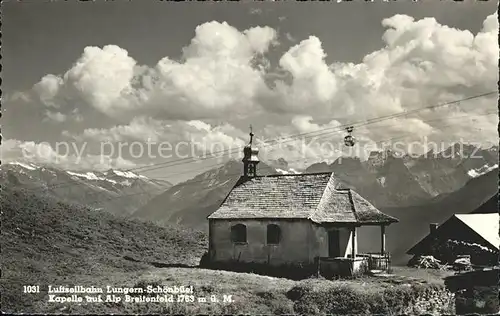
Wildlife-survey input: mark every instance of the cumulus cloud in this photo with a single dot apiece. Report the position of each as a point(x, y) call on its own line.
point(312, 81)
point(47, 89)
point(101, 76)
point(223, 74)
point(423, 63)
point(218, 71)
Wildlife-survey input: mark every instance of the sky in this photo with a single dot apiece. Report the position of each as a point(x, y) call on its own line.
point(190, 78)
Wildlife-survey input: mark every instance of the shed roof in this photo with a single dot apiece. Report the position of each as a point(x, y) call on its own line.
point(315, 196)
point(485, 225)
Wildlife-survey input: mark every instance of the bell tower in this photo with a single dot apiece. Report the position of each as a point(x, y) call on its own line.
point(250, 158)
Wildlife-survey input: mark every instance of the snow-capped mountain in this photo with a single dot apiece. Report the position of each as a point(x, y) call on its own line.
point(479, 194)
point(120, 192)
point(389, 179)
point(385, 179)
point(474, 173)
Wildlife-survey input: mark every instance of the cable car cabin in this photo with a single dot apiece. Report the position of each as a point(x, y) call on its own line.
point(349, 140)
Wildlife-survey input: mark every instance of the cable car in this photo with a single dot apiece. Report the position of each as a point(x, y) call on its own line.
point(349, 140)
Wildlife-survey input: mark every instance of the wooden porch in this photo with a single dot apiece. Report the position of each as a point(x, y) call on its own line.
point(348, 267)
point(355, 264)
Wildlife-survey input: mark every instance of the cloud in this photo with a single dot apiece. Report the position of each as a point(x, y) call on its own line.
point(290, 37)
point(101, 76)
point(219, 71)
point(61, 157)
point(301, 142)
point(47, 89)
point(183, 135)
point(224, 74)
point(423, 63)
point(214, 139)
point(221, 75)
point(256, 11)
point(58, 117)
point(146, 128)
point(55, 116)
point(139, 129)
point(312, 84)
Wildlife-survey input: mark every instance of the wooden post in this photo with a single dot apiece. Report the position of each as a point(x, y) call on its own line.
point(210, 240)
point(353, 242)
point(382, 239)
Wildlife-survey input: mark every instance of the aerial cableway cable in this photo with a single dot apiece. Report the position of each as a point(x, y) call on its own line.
point(278, 140)
point(236, 174)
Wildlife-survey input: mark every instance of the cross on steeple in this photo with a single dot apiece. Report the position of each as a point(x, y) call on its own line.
point(251, 136)
point(250, 158)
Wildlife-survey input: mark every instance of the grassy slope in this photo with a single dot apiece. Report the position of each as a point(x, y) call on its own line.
point(256, 294)
point(48, 242)
point(45, 241)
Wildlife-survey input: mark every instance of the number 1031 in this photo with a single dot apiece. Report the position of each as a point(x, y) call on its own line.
point(31, 289)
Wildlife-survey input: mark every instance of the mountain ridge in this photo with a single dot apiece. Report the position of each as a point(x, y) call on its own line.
point(414, 220)
point(204, 192)
point(387, 182)
point(119, 192)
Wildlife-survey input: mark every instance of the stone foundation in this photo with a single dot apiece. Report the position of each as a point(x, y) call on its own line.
point(290, 271)
point(331, 268)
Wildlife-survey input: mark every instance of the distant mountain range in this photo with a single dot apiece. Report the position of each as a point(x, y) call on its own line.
point(385, 179)
point(118, 192)
point(479, 192)
point(417, 190)
point(389, 180)
point(190, 202)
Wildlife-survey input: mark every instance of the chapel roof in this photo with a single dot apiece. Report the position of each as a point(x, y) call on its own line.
point(319, 197)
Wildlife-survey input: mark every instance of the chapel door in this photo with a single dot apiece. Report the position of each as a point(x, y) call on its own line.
point(333, 243)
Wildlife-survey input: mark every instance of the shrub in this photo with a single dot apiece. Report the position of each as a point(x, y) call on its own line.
point(478, 300)
point(350, 300)
point(144, 283)
point(297, 292)
point(397, 298)
point(282, 307)
point(306, 307)
point(207, 288)
point(336, 300)
point(343, 300)
point(266, 295)
point(278, 303)
point(377, 303)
